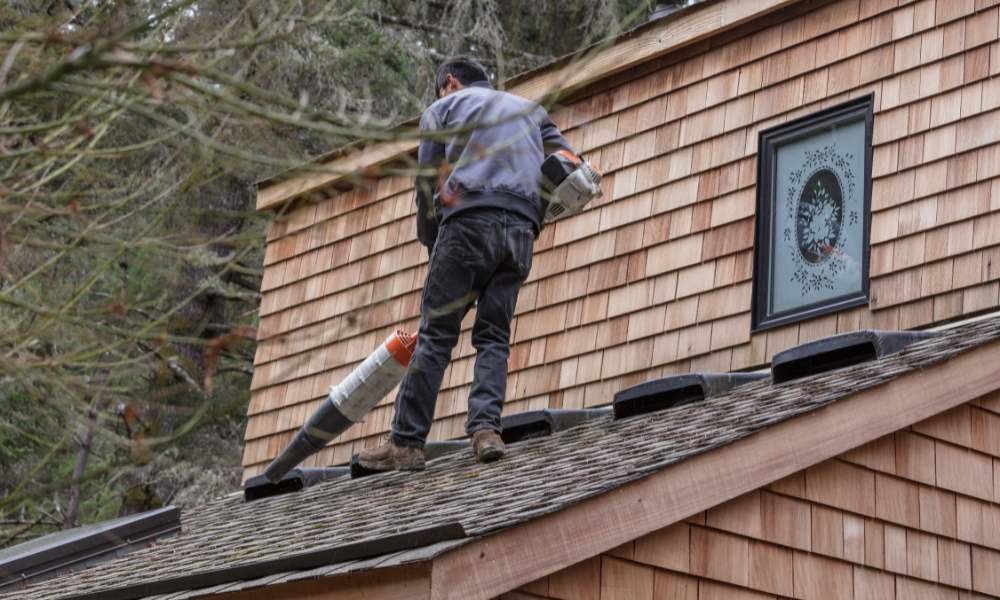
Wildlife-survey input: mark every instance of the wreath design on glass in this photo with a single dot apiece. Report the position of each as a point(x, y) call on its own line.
point(816, 205)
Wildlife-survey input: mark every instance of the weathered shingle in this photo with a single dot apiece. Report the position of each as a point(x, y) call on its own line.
point(538, 477)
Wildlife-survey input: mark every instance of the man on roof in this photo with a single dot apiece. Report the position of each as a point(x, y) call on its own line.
point(479, 210)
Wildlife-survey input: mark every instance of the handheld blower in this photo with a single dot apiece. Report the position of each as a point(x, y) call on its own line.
point(570, 183)
point(347, 402)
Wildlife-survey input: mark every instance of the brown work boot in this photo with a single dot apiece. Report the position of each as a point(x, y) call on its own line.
point(487, 445)
point(391, 457)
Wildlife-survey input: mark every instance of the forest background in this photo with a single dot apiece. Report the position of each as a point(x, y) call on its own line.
point(131, 136)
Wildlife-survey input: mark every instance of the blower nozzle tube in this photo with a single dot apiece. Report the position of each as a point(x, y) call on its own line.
point(348, 402)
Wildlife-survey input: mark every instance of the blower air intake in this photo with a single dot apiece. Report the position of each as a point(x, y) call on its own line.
point(570, 183)
point(346, 405)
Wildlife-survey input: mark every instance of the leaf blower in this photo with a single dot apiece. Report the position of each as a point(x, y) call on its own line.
point(347, 402)
point(570, 183)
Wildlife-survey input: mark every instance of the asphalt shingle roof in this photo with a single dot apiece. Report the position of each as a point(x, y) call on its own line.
point(538, 477)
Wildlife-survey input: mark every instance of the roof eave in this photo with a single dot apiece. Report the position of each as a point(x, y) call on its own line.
point(649, 41)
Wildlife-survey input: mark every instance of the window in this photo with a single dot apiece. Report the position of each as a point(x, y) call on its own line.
point(813, 214)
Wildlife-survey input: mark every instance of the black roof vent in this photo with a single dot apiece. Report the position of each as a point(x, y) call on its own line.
point(516, 427)
point(539, 423)
point(295, 480)
point(434, 450)
point(840, 351)
point(82, 546)
point(302, 477)
point(676, 391)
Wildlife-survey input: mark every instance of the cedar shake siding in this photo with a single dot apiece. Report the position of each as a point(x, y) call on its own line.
point(912, 515)
point(655, 278)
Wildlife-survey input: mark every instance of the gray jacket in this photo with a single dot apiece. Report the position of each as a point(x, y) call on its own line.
point(492, 160)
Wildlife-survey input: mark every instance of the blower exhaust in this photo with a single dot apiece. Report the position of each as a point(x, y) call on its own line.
point(348, 402)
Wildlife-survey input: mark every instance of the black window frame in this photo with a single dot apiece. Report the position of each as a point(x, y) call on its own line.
point(768, 142)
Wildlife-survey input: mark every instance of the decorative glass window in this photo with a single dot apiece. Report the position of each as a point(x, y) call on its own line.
point(813, 214)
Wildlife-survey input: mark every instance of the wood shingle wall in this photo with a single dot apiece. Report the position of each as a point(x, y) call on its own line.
point(658, 281)
point(911, 516)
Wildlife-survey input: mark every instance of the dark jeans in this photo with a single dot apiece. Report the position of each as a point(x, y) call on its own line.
point(482, 255)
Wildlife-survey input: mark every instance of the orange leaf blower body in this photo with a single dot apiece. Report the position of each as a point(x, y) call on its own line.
point(348, 402)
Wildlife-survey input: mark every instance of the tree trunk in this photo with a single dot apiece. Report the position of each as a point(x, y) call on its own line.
point(205, 315)
point(86, 440)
